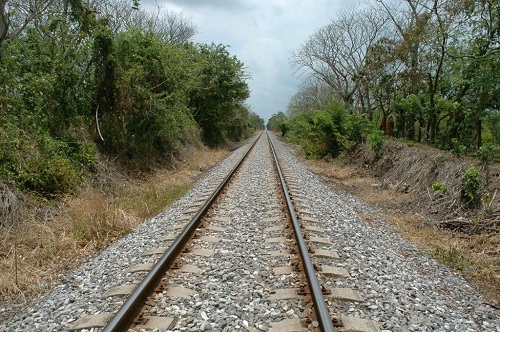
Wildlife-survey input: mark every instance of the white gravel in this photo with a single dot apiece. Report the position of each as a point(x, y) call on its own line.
point(403, 288)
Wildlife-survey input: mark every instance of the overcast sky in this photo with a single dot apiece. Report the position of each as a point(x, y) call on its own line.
point(262, 35)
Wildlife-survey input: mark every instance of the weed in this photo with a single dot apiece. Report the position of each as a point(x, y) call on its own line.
point(472, 186)
point(452, 257)
point(438, 186)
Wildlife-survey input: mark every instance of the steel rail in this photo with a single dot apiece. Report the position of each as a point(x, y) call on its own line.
point(321, 310)
point(131, 308)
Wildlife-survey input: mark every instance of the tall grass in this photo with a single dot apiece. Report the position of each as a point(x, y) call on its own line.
point(47, 242)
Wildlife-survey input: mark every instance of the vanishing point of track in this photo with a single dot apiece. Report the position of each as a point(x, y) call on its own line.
point(288, 216)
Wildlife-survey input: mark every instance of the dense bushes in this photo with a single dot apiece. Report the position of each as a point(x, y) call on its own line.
point(471, 186)
point(77, 81)
point(219, 94)
point(330, 131)
point(145, 113)
point(37, 162)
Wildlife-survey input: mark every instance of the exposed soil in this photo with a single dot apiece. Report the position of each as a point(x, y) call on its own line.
point(399, 184)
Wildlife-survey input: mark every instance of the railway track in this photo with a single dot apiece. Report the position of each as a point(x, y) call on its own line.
point(274, 247)
point(242, 269)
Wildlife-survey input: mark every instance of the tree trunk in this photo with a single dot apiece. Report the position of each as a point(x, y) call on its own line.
point(391, 126)
point(410, 127)
point(4, 27)
point(420, 129)
point(384, 121)
point(369, 105)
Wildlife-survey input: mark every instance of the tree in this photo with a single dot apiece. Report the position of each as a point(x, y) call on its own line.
point(336, 55)
point(434, 30)
point(170, 27)
point(16, 16)
point(277, 123)
point(429, 68)
point(312, 94)
point(76, 73)
point(474, 65)
point(221, 90)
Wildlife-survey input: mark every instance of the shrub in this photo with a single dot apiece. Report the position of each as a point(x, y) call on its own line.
point(439, 159)
point(458, 148)
point(47, 169)
point(376, 141)
point(486, 153)
point(472, 186)
point(37, 162)
point(329, 131)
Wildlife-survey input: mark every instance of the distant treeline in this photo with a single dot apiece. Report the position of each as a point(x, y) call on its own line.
point(82, 77)
point(427, 71)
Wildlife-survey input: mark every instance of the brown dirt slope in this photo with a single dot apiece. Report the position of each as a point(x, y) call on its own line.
point(399, 183)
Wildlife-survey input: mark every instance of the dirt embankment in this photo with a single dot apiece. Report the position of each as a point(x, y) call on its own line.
point(416, 169)
point(400, 183)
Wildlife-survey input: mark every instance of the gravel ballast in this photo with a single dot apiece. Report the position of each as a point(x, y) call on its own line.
point(404, 289)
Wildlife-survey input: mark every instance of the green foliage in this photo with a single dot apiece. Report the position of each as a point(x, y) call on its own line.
point(50, 177)
point(142, 97)
point(439, 160)
point(491, 127)
point(324, 134)
point(278, 123)
point(472, 187)
point(161, 96)
point(443, 130)
point(457, 148)
point(330, 131)
point(39, 163)
point(433, 80)
point(220, 91)
point(408, 110)
point(376, 141)
point(486, 153)
point(438, 186)
point(73, 84)
point(257, 122)
point(244, 124)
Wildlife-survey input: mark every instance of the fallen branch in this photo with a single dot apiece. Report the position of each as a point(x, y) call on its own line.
point(469, 227)
point(454, 224)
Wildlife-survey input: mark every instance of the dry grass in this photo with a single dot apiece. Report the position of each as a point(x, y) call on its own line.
point(46, 243)
point(476, 257)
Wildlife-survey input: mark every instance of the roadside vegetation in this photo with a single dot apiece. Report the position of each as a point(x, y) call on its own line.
point(401, 99)
point(107, 112)
point(429, 213)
